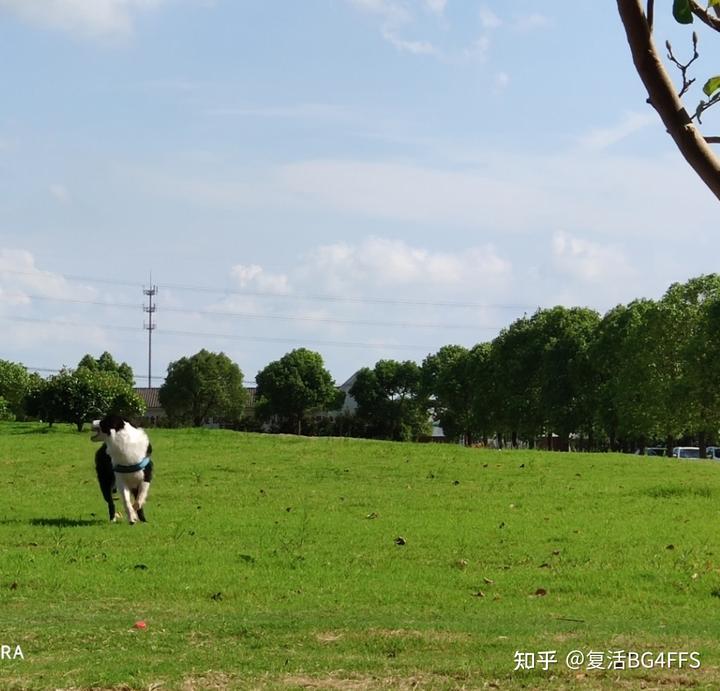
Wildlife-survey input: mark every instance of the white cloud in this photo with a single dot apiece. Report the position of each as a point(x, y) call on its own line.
point(502, 80)
point(488, 18)
point(197, 189)
point(299, 111)
point(580, 270)
point(478, 50)
point(413, 47)
point(531, 21)
point(20, 278)
point(59, 192)
point(85, 17)
point(396, 17)
point(30, 324)
point(436, 6)
point(602, 138)
point(28, 337)
point(385, 263)
point(387, 9)
point(255, 277)
point(587, 260)
point(509, 192)
point(409, 192)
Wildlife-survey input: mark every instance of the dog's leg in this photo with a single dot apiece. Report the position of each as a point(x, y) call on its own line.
point(141, 499)
point(108, 497)
point(106, 479)
point(127, 501)
point(111, 510)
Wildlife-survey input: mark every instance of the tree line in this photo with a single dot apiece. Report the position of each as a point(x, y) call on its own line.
point(644, 373)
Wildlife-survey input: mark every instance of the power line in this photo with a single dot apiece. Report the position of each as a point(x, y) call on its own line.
point(342, 298)
point(72, 278)
point(259, 339)
point(57, 322)
point(55, 370)
point(251, 315)
point(287, 296)
point(76, 301)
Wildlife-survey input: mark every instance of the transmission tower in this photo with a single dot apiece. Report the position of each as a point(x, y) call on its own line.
point(150, 309)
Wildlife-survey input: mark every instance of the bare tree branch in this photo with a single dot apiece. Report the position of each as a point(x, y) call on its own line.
point(704, 16)
point(712, 140)
point(683, 67)
point(662, 96)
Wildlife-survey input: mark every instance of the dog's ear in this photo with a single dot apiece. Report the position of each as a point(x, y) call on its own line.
point(111, 422)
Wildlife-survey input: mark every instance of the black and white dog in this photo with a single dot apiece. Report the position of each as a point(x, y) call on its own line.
point(123, 461)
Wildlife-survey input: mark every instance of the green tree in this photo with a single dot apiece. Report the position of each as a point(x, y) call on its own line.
point(294, 385)
point(43, 400)
point(390, 399)
point(456, 381)
point(564, 336)
point(539, 366)
point(80, 395)
point(14, 388)
point(623, 383)
point(106, 363)
point(680, 337)
point(515, 387)
point(703, 375)
point(202, 386)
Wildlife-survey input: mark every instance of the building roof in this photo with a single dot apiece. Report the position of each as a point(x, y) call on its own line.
point(150, 396)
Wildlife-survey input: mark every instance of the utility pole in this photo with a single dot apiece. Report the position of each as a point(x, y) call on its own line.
point(150, 309)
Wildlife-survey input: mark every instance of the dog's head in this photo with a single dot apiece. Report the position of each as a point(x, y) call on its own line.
point(106, 428)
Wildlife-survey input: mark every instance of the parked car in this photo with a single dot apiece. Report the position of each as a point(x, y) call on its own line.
point(713, 452)
point(654, 451)
point(686, 452)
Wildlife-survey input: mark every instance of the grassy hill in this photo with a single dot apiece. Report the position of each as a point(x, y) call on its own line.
point(272, 562)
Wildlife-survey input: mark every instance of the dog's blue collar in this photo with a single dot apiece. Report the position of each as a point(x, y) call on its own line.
point(132, 468)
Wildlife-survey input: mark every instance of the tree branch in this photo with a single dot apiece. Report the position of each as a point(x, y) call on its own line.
point(661, 95)
point(687, 83)
point(712, 140)
point(704, 16)
point(703, 106)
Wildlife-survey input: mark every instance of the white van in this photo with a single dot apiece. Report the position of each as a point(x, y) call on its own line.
point(686, 452)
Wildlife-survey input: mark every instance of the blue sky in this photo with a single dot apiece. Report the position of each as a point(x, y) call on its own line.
point(366, 178)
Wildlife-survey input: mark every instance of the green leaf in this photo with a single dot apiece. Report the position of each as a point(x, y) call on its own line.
point(682, 11)
point(713, 3)
point(712, 85)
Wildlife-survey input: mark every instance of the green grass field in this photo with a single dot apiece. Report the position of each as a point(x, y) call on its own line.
point(271, 562)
